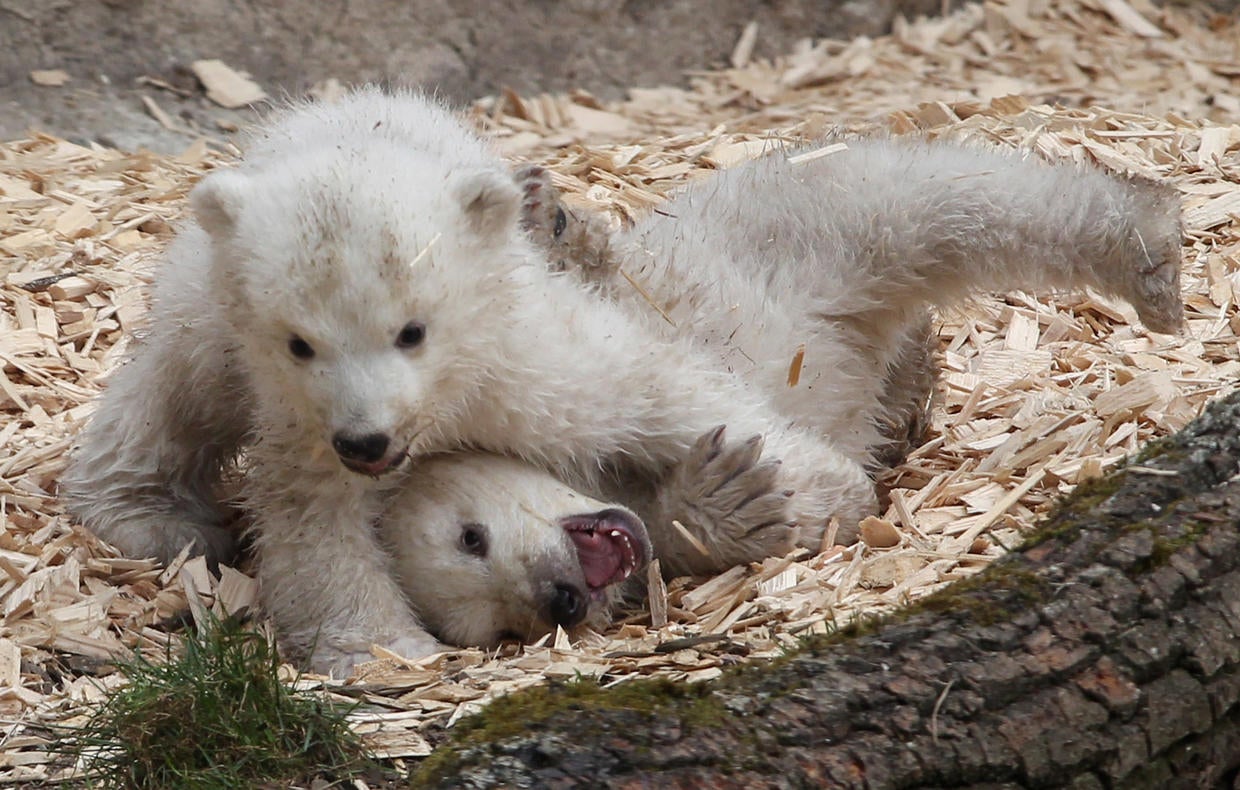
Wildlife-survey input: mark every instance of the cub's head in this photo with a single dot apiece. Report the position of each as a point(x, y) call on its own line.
point(356, 278)
point(489, 549)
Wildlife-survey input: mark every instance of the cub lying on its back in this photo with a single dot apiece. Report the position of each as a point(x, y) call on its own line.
point(488, 548)
point(844, 254)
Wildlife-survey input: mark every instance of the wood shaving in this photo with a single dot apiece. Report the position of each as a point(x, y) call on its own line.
point(226, 86)
point(1039, 392)
point(49, 78)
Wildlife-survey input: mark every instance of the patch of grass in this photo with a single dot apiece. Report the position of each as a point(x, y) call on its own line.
point(215, 716)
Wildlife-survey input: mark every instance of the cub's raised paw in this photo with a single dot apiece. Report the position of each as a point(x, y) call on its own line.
point(729, 504)
point(575, 242)
point(542, 215)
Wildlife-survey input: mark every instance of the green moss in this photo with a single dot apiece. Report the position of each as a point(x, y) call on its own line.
point(513, 713)
point(445, 760)
point(690, 705)
point(1080, 506)
point(995, 595)
point(1166, 447)
point(860, 626)
point(1165, 546)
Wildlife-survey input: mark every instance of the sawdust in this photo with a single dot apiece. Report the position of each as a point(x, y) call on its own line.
point(1038, 392)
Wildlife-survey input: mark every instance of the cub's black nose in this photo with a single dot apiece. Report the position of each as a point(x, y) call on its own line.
point(368, 448)
point(568, 606)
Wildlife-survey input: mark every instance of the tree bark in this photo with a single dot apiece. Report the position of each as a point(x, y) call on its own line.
point(1104, 653)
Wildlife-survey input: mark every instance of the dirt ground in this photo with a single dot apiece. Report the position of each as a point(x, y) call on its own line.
point(128, 60)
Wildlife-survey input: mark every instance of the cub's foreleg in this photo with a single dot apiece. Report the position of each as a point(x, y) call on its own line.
point(587, 384)
point(326, 579)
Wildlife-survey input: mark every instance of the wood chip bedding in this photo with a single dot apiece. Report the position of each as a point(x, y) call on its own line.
point(1038, 392)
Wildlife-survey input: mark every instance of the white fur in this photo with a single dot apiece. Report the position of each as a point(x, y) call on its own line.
point(842, 254)
point(481, 598)
point(351, 221)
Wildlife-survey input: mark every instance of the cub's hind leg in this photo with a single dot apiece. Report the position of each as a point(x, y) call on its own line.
point(144, 471)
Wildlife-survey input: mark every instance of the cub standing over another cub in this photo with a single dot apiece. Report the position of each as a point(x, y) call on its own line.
point(844, 253)
point(359, 293)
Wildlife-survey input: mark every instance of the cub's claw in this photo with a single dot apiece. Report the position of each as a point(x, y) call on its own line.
point(727, 499)
point(578, 243)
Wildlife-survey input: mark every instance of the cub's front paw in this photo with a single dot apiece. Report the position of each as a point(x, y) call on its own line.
point(542, 215)
point(214, 542)
point(573, 242)
point(729, 504)
point(337, 657)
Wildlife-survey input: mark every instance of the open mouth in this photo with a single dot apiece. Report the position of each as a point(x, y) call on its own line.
point(611, 546)
point(375, 468)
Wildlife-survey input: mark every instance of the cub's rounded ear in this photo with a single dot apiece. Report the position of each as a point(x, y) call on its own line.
point(489, 199)
point(218, 200)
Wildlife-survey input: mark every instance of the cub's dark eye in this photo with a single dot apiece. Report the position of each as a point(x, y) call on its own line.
point(411, 335)
point(474, 539)
point(300, 348)
point(561, 222)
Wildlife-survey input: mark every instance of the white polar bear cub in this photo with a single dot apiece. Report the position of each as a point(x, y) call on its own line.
point(832, 257)
point(489, 548)
point(841, 254)
point(359, 293)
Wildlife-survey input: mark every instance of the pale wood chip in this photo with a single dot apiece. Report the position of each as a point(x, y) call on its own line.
point(1039, 392)
point(1127, 16)
point(10, 664)
point(743, 50)
point(879, 533)
point(50, 78)
point(656, 595)
point(225, 86)
point(157, 112)
point(1142, 392)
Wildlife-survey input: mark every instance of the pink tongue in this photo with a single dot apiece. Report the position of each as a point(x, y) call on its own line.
point(601, 559)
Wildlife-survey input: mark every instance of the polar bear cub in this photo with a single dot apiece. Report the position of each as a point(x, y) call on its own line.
point(357, 294)
point(489, 548)
point(841, 255)
point(810, 274)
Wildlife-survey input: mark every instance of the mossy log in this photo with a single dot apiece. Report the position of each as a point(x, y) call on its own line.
point(1103, 653)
